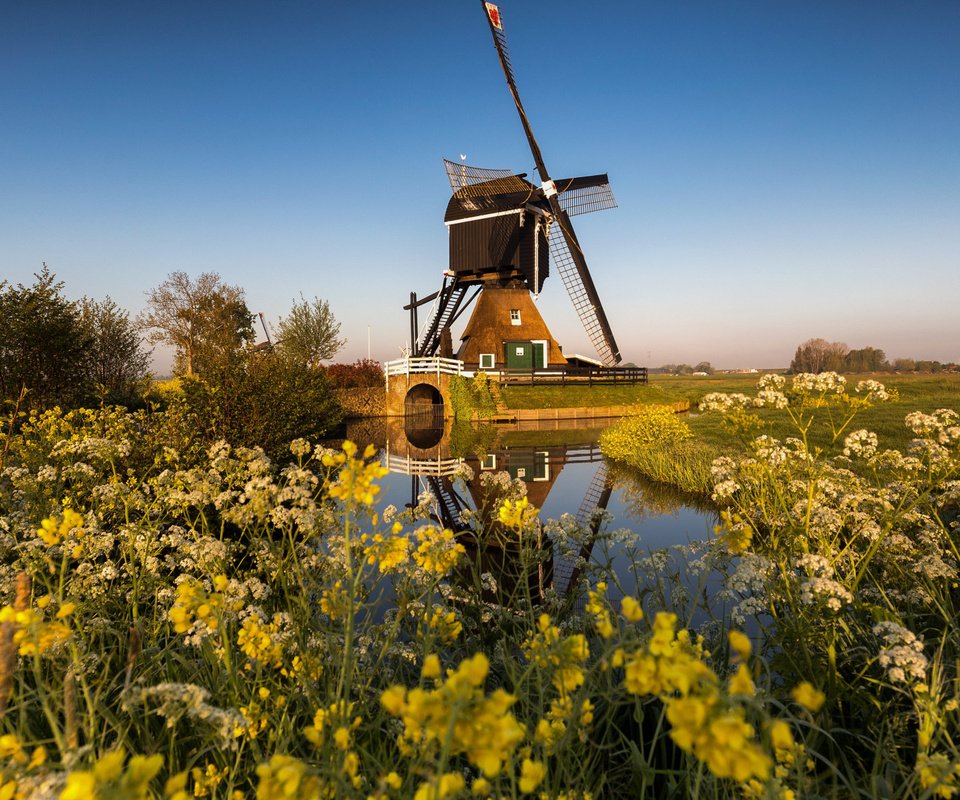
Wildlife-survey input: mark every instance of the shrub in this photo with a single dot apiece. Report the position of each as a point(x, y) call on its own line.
point(263, 399)
point(361, 373)
point(470, 396)
point(648, 426)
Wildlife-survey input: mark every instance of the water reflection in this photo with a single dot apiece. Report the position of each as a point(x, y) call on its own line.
point(564, 473)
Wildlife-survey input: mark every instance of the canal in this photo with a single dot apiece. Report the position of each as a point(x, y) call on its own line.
point(643, 527)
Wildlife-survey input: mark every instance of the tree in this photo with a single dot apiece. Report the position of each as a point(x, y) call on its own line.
point(704, 366)
point(310, 333)
point(43, 345)
point(264, 399)
point(819, 355)
point(116, 362)
point(204, 320)
point(867, 359)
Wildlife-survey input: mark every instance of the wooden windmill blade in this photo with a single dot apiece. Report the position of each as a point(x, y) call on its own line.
point(567, 257)
point(585, 195)
point(462, 175)
point(566, 253)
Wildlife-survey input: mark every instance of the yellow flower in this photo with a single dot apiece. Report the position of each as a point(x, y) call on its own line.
point(393, 700)
point(632, 611)
point(741, 682)
point(449, 784)
point(517, 514)
point(781, 737)
point(937, 771)
point(457, 711)
point(532, 774)
point(444, 624)
point(393, 780)
point(80, 786)
point(740, 644)
point(66, 610)
point(53, 529)
point(597, 608)
point(438, 551)
point(431, 666)
point(355, 482)
point(341, 737)
point(388, 552)
point(260, 642)
point(808, 696)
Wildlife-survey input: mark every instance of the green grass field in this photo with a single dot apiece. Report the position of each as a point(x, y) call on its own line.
point(916, 393)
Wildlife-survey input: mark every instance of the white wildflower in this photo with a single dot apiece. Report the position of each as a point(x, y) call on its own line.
point(860, 444)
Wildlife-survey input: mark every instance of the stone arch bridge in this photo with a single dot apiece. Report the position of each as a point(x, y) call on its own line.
point(420, 386)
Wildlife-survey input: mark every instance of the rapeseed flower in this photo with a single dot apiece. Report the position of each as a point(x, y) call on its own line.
point(939, 773)
point(260, 642)
point(532, 774)
point(808, 696)
point(109, 777)
point(632, 612)
point(444, 625)
point(517, 514)
point(284, 777)
point(438, 551)
point(54, 529)
point(458, 713)
point(447, 785)
point(355, 481)
point(387, 552)
point(193, 605)
point(740, 644)
point(597, 608)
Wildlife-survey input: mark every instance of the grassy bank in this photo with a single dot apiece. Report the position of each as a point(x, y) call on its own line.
point(687, 465)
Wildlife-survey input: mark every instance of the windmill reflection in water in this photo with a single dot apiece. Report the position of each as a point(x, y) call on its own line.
point(468, 501)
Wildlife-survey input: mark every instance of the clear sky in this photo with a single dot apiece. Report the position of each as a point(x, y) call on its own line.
point(785, 169)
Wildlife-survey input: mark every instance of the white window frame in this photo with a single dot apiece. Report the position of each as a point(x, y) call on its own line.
point(492, 360)
point(546, 464)
point(489, 461)
point(515, 316)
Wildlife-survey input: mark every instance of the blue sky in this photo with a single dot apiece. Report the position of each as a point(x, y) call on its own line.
point(785, 169)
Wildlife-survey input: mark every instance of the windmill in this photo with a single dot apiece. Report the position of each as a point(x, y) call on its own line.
point(505, 232)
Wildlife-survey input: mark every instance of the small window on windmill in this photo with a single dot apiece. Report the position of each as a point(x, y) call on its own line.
point(487, 361)
point(514, 316)
point(521, 472)
point(488, 462)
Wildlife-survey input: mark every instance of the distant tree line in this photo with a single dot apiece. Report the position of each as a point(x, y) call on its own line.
point(819, 355)
point(54, 351)
point(685, 369)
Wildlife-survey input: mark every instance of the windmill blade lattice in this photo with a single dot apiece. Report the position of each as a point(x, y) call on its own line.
point(577, 196)
point(590, 313)
point(460, 175)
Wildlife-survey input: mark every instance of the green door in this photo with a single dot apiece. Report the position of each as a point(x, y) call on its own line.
point(518, 355)
point(539, 354)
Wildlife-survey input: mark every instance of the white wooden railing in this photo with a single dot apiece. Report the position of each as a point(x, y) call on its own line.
point(423, 466)
point(423, 366)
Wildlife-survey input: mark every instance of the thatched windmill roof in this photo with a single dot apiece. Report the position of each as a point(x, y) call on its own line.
point(490, 326)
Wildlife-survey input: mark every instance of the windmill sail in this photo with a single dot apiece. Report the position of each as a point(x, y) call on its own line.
point(460, 175)
point(583, 294)
point(585, 195)
point(564, 249)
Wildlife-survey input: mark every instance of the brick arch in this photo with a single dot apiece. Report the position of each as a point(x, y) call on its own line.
point(407, 392)
point(423, 394)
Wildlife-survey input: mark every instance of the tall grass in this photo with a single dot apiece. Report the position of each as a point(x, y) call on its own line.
point(185, 622)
